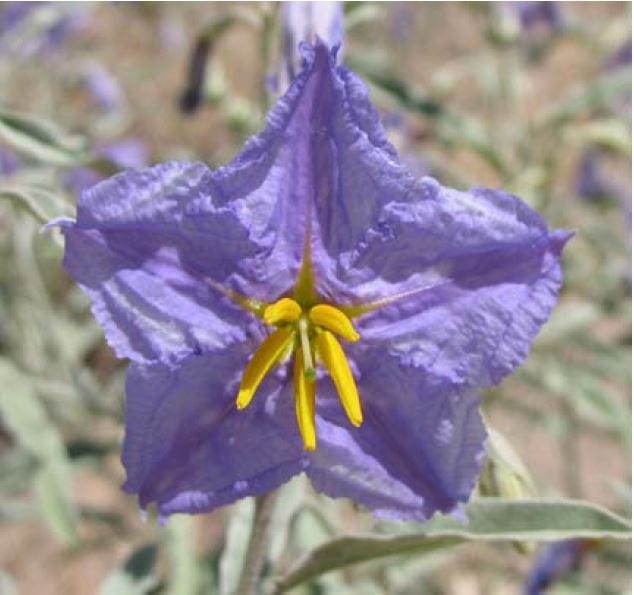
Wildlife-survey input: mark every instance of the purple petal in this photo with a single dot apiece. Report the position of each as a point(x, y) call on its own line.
point(188, 449)
point(418, 450)
point(481, 265)
point(145, 247)
point(478, 311)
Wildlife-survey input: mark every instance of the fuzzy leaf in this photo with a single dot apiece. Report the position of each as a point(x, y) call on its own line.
point(42, 204)
point(490, 519)
point(25, 416)
point(40, 139)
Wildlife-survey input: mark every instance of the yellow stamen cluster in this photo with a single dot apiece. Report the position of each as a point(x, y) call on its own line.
point(308, 334)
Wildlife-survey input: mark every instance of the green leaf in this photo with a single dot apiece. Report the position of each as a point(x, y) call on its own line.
point(489, 519)
point(589, 98)
point(41, 139)
point(136, 577)
point(52, 489)
point(27, 419)
point(451, 127)
point(609, 134)
point(500, 450)
point(42, 204)
point(569, 318)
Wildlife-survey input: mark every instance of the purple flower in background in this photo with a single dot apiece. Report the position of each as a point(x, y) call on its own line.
point(310, 307)
point(13, 13)
point(622, 56)
point(554, 562)
point(306, 22)
point(402, 19)
point(8, 162)
point(79, 179)
point(30, 28)
point(126, 153)
point(534, 15)
point(103, 87)
point(590, 183)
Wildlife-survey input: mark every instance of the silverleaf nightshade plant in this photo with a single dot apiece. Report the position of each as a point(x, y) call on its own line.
point(310, 307)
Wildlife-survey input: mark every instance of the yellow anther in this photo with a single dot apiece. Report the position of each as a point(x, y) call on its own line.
point(336, 363)
point(304, 402)
point(284, 310)
point(334, 320)
point(265, 357)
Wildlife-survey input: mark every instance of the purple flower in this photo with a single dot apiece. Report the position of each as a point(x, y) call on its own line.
point(590, 182)
point(555, 561)
point(538, 14)
point(39, 27)
point(127, 153)
point(402, 20)
point(13, 13)
point(8, 162)
point(622, 56)
point(350, 311)
point(103, 88)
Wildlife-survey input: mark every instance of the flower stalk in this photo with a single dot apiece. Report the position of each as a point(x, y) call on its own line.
point(258, 542)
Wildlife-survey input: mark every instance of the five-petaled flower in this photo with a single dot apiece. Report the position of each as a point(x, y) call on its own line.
point(310, 307)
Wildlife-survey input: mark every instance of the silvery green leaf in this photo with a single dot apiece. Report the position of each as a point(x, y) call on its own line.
point(236, 543)
point(361, 13)
point(41, 203)
point(591, 398)
point(489, 519)
point(40, 139)
point(569, 317)
point(52, 490)
point(136, 577)
point(596, 95)
point(27, 419)
point(500, 450)
point(610, 134)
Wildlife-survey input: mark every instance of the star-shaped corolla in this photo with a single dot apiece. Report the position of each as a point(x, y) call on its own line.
point(310, 307)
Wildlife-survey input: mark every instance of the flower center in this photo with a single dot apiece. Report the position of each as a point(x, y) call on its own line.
point(307, 334)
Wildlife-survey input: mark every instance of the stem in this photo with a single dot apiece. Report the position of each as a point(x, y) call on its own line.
point(258, 542)
point(570, 451)
point(266, 41)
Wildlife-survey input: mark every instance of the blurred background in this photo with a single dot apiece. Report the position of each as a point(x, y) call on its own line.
point(534, 97)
